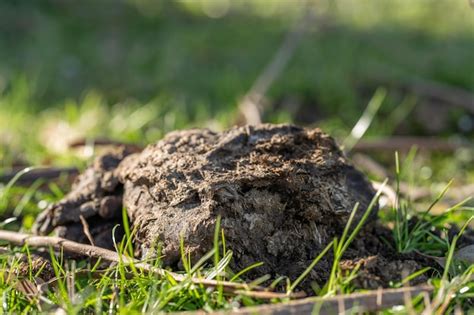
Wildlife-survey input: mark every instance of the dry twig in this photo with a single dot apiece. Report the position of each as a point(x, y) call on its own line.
point(68, 246)
point(85, 228)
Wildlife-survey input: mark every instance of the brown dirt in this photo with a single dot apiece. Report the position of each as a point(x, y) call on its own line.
point(283, 194)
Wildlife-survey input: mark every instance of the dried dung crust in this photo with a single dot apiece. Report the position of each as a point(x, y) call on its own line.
point(96, 196)
point(283, 193)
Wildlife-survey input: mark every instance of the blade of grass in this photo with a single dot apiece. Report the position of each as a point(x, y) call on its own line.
point(365, 120)
point(245, 270)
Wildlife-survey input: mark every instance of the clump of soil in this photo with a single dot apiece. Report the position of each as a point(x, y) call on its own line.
point(96, 196)
point(283, 194)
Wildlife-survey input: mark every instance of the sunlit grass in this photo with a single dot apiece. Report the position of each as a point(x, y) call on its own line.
point(191, 75)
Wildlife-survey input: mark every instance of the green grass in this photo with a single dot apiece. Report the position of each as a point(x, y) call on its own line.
point(337, 282)
point(81, 286)
point(415, 235)
point(132, 72)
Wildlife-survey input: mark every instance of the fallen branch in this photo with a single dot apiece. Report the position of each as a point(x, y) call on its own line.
point(357, 302)
point(58, 243)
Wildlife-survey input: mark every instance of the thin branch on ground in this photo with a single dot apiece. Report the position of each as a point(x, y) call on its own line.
point(58, 243)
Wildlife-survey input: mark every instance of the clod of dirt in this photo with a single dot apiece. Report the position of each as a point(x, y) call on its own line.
point(96, 196)
point(283, 194)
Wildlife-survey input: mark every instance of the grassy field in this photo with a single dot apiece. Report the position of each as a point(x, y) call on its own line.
point(132, 71)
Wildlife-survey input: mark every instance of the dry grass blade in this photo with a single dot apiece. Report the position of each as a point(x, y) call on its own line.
point(87, 232)
point(387, 191)
point(58, 243)
point(365, 120)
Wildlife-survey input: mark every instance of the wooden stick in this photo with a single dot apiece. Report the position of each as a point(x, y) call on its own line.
point(361, 302)
point(58, 243)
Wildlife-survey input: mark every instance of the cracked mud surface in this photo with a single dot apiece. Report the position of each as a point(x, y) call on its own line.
point(283, 194)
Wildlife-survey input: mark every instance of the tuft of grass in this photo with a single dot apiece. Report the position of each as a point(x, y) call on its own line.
point(337, 281)
point(453, 290)
point(416, 233)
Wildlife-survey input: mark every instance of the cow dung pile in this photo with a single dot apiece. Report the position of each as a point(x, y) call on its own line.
point(282, 193)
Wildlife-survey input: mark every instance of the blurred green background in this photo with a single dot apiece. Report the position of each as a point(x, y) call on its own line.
point(133, 70)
